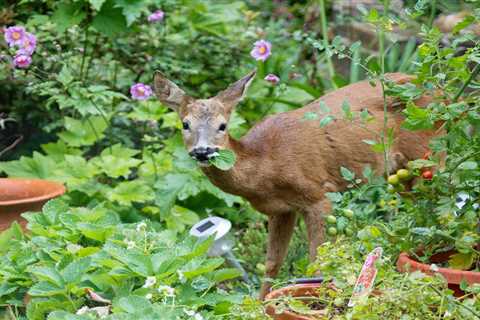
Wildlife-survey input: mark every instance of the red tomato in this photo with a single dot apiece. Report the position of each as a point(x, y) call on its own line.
point(427, 175)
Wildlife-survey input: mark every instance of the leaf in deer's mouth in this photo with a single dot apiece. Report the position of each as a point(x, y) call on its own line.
point(223, 159)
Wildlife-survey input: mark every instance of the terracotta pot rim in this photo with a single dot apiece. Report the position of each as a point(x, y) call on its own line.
point(306, 290)
point(453, 276)
point(58, 190)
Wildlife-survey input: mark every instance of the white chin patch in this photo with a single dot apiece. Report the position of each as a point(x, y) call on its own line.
point(203, 164)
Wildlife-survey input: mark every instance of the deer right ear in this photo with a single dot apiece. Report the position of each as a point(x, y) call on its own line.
point(168, 92)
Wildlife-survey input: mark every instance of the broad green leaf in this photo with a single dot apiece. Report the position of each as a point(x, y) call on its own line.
point(49, 274)
point(131, 191)
point(461, 261)
point(110, 20)
point(180, 217)
point(97, 4)
point(45, 289)
point(131, 9)
point(74, 271)
point(347, 174)
point(225, 160)
point(132, 304)
point(68, 14)
point(326, 120)
point(310, 116)
point(197, 267)
point(83, 132)
point(38, 166)
point(226, 274)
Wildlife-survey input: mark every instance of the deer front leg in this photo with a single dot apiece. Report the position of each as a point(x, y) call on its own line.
point(280, 230)
point(315, 221)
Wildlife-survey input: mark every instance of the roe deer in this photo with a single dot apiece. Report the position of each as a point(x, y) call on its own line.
point(285, 164)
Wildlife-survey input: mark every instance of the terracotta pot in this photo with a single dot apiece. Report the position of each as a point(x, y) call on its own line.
point(21, 195)
point(297, 290)
point(454, 277)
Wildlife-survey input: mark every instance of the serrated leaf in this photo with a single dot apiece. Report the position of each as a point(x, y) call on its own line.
point(45, 289)
point(48, 274)
point(225, 160)
point(68, 14)
point(74, 271)
point(110, 20)
point(347, 174)
point(97, 4)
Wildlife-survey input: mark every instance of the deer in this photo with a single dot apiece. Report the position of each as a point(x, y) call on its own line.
point(286, 165)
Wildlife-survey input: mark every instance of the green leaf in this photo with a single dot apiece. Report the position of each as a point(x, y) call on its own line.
point(468, 165)
point(45, 289)
point(48, 274)
point(83, 132)
point(131, 9)
point(68, 14)
point(417, 118)
point(131, 191)
point(461, 261)
point(226, 274)
point(74, 271)
point(132, 304)
point(347, 174)
point(97, 4)
point(347, 113)
point(310, 116)
point(326, 120)
point(110, 20)
point(180, 217)
point(225, 160)
point(38, 166)
point(467, 21)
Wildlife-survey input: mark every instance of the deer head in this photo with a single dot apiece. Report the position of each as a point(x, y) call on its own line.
point(204, 120)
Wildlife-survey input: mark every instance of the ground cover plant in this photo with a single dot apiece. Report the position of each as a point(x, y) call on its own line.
point(76, 106)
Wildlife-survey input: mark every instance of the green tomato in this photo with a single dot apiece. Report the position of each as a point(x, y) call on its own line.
point(349, 232)
point(393, 179)
point(332, 231)
point(331, 219)
point(403, 174)
point(348, 213)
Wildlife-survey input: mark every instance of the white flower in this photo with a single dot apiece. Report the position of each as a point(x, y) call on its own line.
point(149, 296)
point(130, 244)
point(434, 267)
point(198, 316)
point(150, 282)
point(181, 276)
point(102, 312)
point(141, 226)
point(73, 248)
point(167, 291)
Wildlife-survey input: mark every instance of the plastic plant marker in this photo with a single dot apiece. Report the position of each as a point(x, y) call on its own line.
point(366, 279)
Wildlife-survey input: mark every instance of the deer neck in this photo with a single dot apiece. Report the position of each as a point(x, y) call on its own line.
point(237, 179)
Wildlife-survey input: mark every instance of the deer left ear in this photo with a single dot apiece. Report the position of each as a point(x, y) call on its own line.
point(231, 96)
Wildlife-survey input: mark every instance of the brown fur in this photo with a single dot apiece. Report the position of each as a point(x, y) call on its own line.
point(286, 164)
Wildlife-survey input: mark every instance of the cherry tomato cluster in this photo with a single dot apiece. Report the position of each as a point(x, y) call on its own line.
point(341, 224)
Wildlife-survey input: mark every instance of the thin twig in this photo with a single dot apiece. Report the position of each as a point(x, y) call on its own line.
point(13, 145)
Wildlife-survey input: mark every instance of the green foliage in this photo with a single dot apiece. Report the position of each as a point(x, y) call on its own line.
point(69, 253)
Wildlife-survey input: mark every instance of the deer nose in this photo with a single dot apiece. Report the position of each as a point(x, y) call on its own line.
point(202, 153)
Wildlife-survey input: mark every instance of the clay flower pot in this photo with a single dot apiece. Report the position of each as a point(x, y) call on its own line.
point(297, 290)
point(454, 277)
point(21, 195)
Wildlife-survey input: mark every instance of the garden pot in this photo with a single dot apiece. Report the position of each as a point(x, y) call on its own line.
point(453, 277)
point(296, 290)
point(21, 195)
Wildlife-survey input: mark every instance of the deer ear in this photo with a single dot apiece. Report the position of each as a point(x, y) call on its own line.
point(231, 96)
point(168, 92)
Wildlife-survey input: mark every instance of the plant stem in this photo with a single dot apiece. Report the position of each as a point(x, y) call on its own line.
point(472, 76)
point(433, 9)
point(381, 43)
point(84, 53)
point(323, 19)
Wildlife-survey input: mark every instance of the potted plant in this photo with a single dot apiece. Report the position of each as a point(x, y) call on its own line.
point(21, 195)
point(394, 296)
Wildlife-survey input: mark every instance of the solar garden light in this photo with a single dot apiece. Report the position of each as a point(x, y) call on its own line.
point(222, 245)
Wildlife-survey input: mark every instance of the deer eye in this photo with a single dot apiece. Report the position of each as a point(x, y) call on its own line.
point(222, 127)
point(186, 125)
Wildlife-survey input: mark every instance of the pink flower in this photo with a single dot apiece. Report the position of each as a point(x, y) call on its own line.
point(22, 61)
point(156, 16)
point(28, 45)
point(261, 50)
point(140, 91)
point(273, 79)
point(15, 35)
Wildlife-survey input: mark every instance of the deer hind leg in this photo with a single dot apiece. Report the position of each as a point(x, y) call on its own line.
point(315, 222)
point(280, 230)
